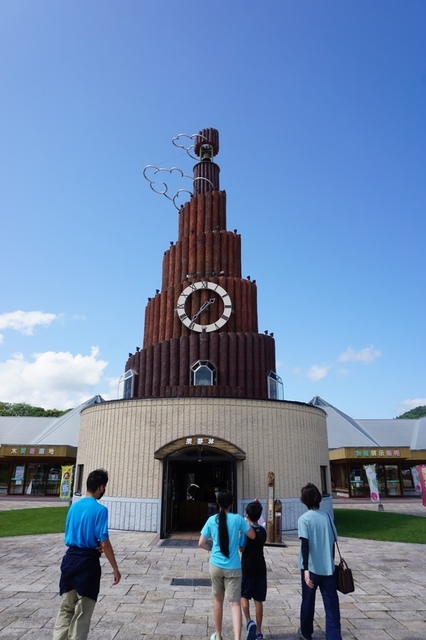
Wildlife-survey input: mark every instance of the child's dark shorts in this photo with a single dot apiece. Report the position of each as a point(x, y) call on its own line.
point(254, 588)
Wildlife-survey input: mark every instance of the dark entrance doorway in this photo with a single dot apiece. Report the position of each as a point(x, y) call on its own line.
point(191, 480)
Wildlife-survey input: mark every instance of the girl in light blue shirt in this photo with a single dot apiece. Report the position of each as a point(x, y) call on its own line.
point(220, 535)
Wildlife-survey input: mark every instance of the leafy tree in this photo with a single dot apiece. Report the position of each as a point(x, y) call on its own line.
point(23, 409)
point(418, 412)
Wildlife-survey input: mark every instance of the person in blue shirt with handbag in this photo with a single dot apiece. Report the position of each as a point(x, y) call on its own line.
point(220, 535)
point(317, 534)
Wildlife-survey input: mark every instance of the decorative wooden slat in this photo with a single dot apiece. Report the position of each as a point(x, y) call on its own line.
point(165, 270)
point(156, 370)
point(165, 364)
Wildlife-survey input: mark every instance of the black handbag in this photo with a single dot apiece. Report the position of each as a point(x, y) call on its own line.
point(344, 578)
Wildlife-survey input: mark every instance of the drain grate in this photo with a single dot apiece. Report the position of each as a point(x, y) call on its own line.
point(191, 582)
point(170, 542)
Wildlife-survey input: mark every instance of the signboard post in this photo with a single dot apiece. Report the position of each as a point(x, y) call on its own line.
point(270, 510)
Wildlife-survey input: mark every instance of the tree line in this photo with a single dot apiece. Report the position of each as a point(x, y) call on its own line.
point(418, 412)
point(23, 409)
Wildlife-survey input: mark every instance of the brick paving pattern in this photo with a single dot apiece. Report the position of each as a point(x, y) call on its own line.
point(389, 602)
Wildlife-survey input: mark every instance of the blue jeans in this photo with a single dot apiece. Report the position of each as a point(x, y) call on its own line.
point(327, 587)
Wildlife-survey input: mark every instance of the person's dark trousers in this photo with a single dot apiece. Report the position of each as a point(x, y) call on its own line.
point(327, 587)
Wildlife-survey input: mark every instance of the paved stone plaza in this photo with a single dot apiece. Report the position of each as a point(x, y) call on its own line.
point(389, 601)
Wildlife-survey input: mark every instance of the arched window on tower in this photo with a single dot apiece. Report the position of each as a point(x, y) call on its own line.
point(126, 385)
point(203, 373)
point(275, 386)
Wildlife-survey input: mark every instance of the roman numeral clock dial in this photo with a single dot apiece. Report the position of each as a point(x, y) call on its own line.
point(194, 322)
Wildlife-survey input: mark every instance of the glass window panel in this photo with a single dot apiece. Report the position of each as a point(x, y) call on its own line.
point(275, 386)
point(203, 373)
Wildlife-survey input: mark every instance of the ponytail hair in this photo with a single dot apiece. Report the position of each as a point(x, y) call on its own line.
point(224, 500)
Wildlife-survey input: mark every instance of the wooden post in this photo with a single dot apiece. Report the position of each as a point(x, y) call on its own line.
point(278, 513)
point(270, 524)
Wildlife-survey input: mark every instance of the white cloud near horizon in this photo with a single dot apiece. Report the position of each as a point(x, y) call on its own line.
point(366, 355)
point(53, 380)
point(318, 372)
point(25, 321)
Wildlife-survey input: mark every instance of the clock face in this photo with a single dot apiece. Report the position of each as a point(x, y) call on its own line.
point(194, 322)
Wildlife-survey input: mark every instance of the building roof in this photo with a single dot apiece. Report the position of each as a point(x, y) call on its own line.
point(344, 431)
point(34, 430)
point(22, 429)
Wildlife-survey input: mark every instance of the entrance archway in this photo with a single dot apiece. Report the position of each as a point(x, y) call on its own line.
point(191, 479)
point(195, 468)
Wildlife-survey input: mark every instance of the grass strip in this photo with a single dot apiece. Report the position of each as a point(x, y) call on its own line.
point(24, 522)
point(379, 525)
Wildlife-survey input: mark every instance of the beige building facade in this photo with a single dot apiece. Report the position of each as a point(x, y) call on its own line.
point(155, 449)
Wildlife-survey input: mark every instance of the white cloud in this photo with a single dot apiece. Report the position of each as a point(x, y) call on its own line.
point(318, 372)
point(368, 354)
point(408, 404)
point(26, 321)
point(343, 372)
point(112, 392)
point(53, 380)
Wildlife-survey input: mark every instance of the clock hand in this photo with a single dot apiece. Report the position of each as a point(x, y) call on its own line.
point(203, 308)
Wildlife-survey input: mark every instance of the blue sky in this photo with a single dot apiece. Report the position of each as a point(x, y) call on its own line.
point(321, 111)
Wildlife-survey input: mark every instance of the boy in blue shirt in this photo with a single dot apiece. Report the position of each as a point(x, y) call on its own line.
point(86, 536)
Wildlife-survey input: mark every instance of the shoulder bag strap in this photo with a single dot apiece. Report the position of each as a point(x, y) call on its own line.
point(334, 536)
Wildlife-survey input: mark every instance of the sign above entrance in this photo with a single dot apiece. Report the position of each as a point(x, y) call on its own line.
point(377, 453)
point(210, 442)
point(35, 451)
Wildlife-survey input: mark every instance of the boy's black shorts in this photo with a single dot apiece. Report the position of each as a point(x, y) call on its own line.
point(254, 588)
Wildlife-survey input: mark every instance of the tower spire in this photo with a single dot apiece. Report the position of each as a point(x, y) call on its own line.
point(206, 172)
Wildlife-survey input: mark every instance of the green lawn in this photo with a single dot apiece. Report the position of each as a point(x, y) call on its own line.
point(379, 525)
point(24, 522)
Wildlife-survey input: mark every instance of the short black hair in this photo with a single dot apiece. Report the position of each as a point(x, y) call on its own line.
point(311, 496)
point(254, 511)
point(95, 479)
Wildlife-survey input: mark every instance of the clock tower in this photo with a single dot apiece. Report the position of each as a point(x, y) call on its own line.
point(200, 406)
point(201, 330)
